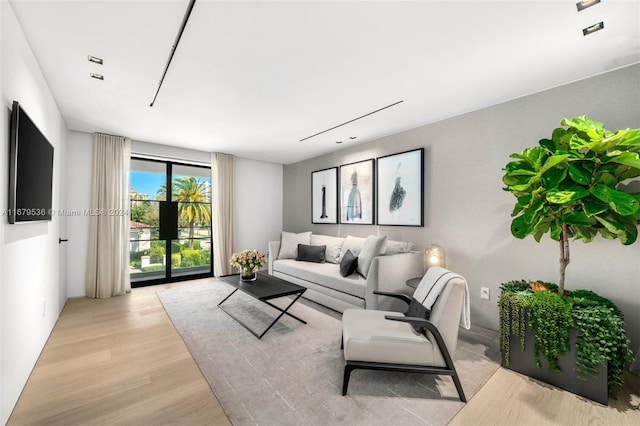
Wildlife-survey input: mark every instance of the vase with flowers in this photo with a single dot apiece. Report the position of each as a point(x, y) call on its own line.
point(248, 262)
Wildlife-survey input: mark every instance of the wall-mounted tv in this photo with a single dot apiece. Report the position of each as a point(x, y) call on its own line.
point(30, 170)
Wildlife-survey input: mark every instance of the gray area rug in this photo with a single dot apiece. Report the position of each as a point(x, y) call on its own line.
point(293, 375)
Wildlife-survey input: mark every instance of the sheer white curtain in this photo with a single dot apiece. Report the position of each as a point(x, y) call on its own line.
point(108, 255)
point(224, 212)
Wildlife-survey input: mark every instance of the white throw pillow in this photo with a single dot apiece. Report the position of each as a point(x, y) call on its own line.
point(395, 247)
point(289, 244)
point(373, 246)
point(334, 246)
point(353, 244)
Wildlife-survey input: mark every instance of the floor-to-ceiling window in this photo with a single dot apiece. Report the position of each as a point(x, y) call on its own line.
point(170, 235)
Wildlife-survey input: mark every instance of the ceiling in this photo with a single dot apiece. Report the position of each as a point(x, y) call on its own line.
point(253, 78)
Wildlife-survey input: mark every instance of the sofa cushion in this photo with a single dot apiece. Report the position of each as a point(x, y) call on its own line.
point(308, 253)
point(289, 244)
point(334, 246)
point(396, 247)
point(373, 246)
point(353, 244)
point(323, 274)
point(348, 264)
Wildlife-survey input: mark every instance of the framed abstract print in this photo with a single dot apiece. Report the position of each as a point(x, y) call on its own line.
point(356, 192)
point(400, 188)
point(324, 196)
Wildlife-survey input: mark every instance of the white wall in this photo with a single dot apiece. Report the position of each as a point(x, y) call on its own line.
point(466, 210)
point(258, 203)
point(32, 281)
point(79, 159)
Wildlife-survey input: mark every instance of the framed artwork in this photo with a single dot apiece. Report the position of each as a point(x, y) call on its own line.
point(324, 196)
point(400, 188)
point(356, 192)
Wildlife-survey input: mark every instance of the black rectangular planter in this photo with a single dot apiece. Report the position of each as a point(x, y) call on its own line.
point(595, 388)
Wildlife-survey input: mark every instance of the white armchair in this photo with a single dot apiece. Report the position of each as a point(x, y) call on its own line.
point(386, 340)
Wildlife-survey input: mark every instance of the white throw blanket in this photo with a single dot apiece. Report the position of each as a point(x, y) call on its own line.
point(432, 284)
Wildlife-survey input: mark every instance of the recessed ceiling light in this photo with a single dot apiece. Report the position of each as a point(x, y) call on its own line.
point(338, 141)
point(97, 76)
point(95, 60)
point(593, 28)
point(583, 4)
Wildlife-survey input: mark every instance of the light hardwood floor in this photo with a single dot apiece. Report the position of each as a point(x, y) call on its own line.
point(117, 361)
point(121, 361)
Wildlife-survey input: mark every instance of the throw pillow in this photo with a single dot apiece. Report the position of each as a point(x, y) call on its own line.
point(417, 310)
point(353, 244)
point(348, 264)
point(334, 246)
point(308, 253)
point(373, 246)
point(289, 244)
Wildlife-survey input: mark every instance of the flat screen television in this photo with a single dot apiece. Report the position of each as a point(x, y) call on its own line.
point(30, 170)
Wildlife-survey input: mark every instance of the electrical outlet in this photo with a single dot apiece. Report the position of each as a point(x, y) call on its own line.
point(484, 293)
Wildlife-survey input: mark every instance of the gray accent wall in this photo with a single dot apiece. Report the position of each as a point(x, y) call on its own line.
point(468, 213)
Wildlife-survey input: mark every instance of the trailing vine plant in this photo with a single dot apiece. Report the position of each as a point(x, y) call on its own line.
point(598, 321)
point(550, 317)
point(601, 337)
point(512, 306)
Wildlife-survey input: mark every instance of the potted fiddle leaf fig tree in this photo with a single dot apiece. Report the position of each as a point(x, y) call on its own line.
point(571, 187)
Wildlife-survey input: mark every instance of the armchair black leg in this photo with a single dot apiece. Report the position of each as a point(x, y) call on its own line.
point(345, 380)
point(342, 341)
point(456, 381)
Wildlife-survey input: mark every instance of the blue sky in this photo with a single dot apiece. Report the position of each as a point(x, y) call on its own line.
point(148, 182)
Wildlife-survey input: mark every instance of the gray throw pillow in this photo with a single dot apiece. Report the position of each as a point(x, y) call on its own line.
point(373, 247)
point(348, 264)
point(417, 310)
point(308, 253)
point(289, 244)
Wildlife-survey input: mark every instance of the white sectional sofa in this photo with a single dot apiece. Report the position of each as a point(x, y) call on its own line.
point(383, 266)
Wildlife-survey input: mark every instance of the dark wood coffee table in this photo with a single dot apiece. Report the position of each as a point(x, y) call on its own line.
point(264, 288)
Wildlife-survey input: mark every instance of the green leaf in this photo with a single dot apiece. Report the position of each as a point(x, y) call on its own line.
point(579, 174)
point(576, 142)
point(520, 228)
point(533, 156)
point(578, 218)
point(593, 207)
point(607, 179)
point(629, 137)
point(594, 129)
point(563, 197)
point(619, 201)
point(525, 200)
point(560, 139)
point(547, 144)
point(513, 166)
point(556, 230)
point(553, 161)
point(552, 178)
point(626, 234)
point(636, 215)
point(584, 233)
point(623, 173)
point(542, 228)
point(630, 159)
